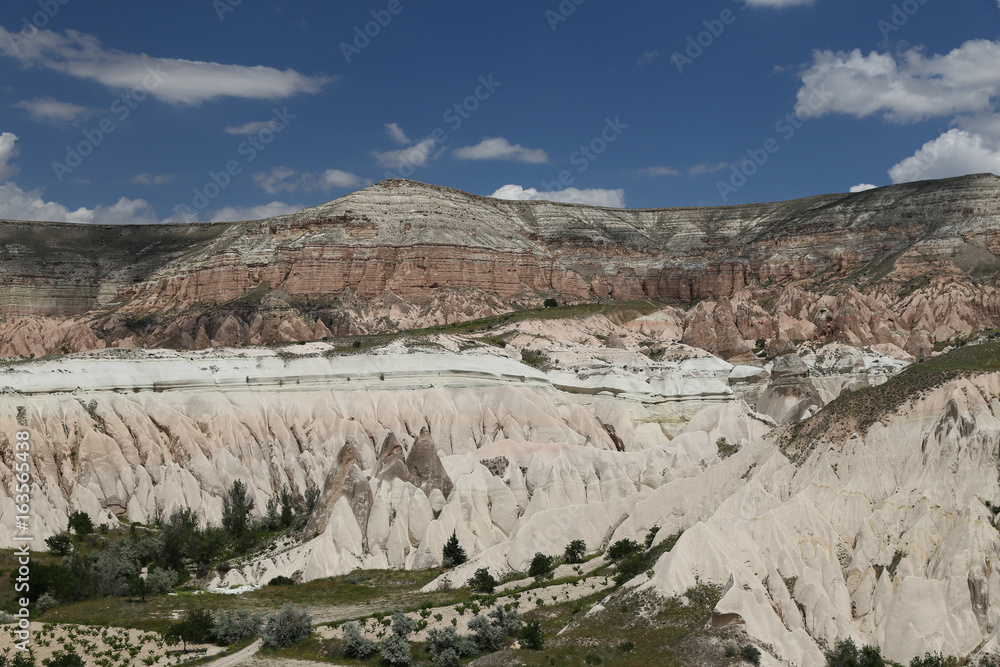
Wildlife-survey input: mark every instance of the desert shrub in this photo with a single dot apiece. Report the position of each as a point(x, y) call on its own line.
point(441, 642)
point(281, 580)
point(45, 602)
point(448, 658)
point(488, 637)
point(750, 653)
point(395, 650)
point(235, 626)
point(629, 567)
point(7, 618)
point(115, 566)
point(532, 636)
point(403, 625)
point(622, 549)
point(288, 626)
point(161, 581)
point(356, 645)
point(550, 303)
point(508, 619)
point(453, 553)
point(541, 567)
point(575, 551)
point(483, 582)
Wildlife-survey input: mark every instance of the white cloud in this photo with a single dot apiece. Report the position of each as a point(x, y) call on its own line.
point(659, 171)
point(646, 58)
point(50, 110)
point(240, 213)
point(335, 178)
point(173, 80)
point(152, 179)
point(417, 155)
point(8, 151)
point(708, 168)
point(253, 127)
point(912, 88)
point(954, 153)
point(18, 204)
point(285, 179)
point(498, 148)
point(397, 134)
point(592, 197)
point(777, 3)
point(863, 187)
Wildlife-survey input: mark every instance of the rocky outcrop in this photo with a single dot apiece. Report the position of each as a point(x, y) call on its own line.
point(887, 266)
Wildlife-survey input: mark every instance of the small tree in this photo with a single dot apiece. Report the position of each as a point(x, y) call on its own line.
point(508, 619)
point(396, 647)
point(441, 644)
point(237, 505)
point(650, 536)
point(161, 581)
point(312, 495)
point(483, 582)
point(575, 551)
point(621, 549)
point(138, 587)
point(81, 523)
point(231, 627)
point(532, 636)
point(59, 544)
point(453, 554)
point(271, 519)
point(541, 567)
point(356, 645)
point(286, 627)
point(550, 303)
point(287, 507)
point(195, 628)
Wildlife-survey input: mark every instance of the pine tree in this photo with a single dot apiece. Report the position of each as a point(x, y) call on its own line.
point(453, 554)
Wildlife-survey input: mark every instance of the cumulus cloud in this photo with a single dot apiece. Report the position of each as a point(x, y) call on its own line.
point(173, 80)
point(863, 187)
point(417, 155)
point(240, 213)
point(498, 148)
point(18, 204)
point(397, 134)
point(954, 153)
point(285, 179)
point(592, 197)
point(911, 88)
point(50, 110)
point(152, 179)
point(8, 151)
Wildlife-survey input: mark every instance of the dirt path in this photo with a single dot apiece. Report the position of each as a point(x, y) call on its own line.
point(238, 658)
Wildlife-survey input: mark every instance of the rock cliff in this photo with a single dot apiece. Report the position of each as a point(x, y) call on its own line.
point(905, 265)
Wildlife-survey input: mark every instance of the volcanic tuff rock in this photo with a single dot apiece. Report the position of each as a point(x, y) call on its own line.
point(890, 265)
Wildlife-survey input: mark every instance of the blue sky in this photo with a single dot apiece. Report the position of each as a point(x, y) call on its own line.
point(120, 111)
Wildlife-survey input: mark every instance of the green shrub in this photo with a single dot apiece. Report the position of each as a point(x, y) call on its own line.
point(59, 544)
point(281, 580)
point(161, 581)
point(622, 549)
point(235, 626)
point(750, 653)
point(575, 551)
point(483, 582)
point(356, 645)
point(44, 603)
point(395, 650)
point(541, 567)
point(532, 636)
point(286, 627)
point(550, 303)
point(650, 536)
point(441, 643)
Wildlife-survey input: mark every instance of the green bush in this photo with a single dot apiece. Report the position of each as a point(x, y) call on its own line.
point(532, 636)
point(81, 523)
point(236, 626)
point(441, 644)
point(541, 567)
point(550, 303)
point(59, 544)
point(281, 580)
point(161, 581)
point(356, 645)
point(622, 549)
point(750, 653)
point(575, 551)
point(286, 627)
point(483, 582)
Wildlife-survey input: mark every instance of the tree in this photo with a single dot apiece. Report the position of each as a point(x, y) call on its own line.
point(287, 507)
point(288, 626)
point(271, 519)
point(531, 636)
point(575, 551)
point(80, 523)
point(483, 582)
point(237, 505)
point(59, 544)
point(508, 619)
point(622, 549)
point(443, 644)
point(161, 581)
point(396, 647)
point(231, 627)
point(138, 587)
point(195, 628)
point(453, 554)
point(550, 303)
point(541, 567)
point(312, 495)
point(489, 637)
